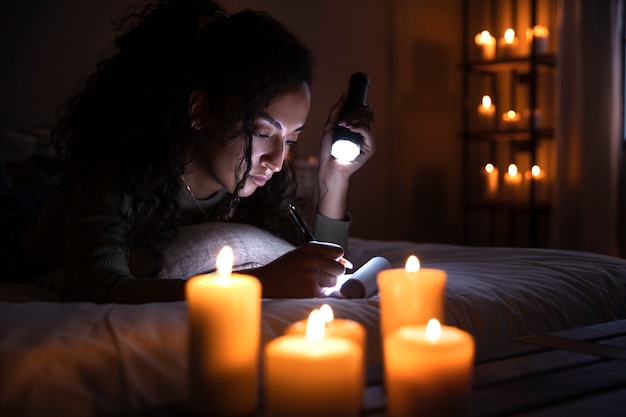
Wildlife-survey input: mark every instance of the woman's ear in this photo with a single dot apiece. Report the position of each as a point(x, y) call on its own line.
point(197, 109)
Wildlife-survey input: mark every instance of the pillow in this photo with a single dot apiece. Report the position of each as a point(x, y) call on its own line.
point(195, 249)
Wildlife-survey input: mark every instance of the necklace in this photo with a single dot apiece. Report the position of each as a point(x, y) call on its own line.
point(182, 177)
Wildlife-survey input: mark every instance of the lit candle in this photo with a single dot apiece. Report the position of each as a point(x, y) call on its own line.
point(508, 44)
point(513, 183)
point(537, 175)
point(428, 370)
point(538, 38)
point(487, 45)
point(486, 111)
point(224, 335)
point(336, 327)
point(511, 119)
point(411, 295)
point(313, 375)
point(490, 173)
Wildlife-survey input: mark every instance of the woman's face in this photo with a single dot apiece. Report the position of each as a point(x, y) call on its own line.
point(274, 131)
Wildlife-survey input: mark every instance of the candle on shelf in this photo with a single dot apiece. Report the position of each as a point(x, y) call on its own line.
point(513, 183)
point(346, 328)
point(224, 335)
point(428, 370)
point(508, 44)
point(410, 295)
point(538, 38)
point(487, 44)
point(313, 374)
point(486, 111)
point(491, 175)
point(538, 176)
point(511, 119)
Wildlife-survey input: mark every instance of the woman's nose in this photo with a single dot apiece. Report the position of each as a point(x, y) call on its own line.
point(275, 156)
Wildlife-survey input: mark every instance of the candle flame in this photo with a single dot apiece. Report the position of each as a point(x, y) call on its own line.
point(485, 36)
point(512, 170)
point(489, 168)
point(315, 326)
point(326, 313)
point(509, 36)
point(224, 261)
point(412, 264)
point(535, 171)
point(540, 31)
point(433, 330)
point(486, 101)
point(511, 114)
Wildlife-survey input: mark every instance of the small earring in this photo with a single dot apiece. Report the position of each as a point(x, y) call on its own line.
point(194, 124)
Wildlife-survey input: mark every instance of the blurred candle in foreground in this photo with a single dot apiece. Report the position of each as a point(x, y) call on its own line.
point(312, 374)
point(428, 370)
point(224, 336)
point(410, 295)
point(487, 111)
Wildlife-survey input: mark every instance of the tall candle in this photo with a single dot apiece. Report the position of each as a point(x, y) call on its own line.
point(538, 38)
point(411, 295)
point(538, 175)
point(224, 335)
point(513, 182)
point(490, 174)
point(508, 44)
point(428, 371)
point(487, 44)
point(313, 375)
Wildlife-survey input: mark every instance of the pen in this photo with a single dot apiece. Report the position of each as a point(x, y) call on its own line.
point(306, 233)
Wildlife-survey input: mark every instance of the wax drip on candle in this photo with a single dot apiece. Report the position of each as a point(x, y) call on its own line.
point(412, 264)
point(224, 263)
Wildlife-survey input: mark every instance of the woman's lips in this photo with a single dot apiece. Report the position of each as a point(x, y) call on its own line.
point(259, 180)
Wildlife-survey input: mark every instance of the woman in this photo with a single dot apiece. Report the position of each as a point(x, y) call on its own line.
point(191, 120)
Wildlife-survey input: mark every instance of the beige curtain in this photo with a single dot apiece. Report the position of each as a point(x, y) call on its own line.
point(588, 126)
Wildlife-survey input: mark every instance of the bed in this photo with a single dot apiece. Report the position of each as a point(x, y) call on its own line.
point(83, 359)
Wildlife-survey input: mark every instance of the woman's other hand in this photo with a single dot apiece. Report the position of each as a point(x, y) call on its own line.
point(333, 175)
point(302, 272)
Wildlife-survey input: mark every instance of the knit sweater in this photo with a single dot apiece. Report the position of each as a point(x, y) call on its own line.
point(76, 246)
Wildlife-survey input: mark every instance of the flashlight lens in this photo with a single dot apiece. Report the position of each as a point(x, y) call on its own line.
point(345, 150)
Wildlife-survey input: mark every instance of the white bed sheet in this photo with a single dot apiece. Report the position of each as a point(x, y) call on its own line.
point(83, 359)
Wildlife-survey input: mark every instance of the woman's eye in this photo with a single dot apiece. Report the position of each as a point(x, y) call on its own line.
point(291, 142)
point(261, 135)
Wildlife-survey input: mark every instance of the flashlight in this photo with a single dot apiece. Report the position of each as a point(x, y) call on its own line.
point(347, 144)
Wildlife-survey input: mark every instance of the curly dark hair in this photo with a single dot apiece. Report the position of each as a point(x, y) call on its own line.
point(132, 111)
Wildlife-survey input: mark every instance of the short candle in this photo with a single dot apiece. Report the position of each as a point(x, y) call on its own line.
point(428, 370)
point(313, 375)
point(487, 44)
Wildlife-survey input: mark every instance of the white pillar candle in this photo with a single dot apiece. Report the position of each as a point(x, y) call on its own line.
point(428, 371)
point(224, 336)
point(411, 295)
point(313, 375)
